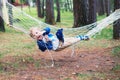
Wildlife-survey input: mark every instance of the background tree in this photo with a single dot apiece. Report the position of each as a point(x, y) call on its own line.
point(38, 3)
point(43, 10)
point(50, 19)
point(58, 11)
point(2, 27)
point(80, 10)
point(116, 25)
point(107, 7)
point(92, 11)
point(77, 11)
point(101, 7)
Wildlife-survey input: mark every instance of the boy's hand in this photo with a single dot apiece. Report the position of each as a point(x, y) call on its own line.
point(46, 38)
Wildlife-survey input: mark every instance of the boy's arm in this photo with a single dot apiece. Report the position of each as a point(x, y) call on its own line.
point(44, 46)
point(47, 31)
point(49, 45)
point(41, 45)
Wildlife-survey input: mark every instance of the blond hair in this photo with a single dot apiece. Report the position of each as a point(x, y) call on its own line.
point(31, 31)
point(35, 28)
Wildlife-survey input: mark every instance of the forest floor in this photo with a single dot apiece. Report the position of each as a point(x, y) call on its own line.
point(84, 64)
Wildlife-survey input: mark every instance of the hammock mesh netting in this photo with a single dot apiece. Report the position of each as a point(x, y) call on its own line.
point(22, 21)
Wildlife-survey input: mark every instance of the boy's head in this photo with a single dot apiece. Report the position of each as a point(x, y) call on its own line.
point(36, 33)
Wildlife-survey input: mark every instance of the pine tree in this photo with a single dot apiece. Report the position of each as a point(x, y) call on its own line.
point(50, 19)
point(116, 26)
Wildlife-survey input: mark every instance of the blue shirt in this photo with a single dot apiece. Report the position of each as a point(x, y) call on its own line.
point(50, 44)
point(44, 46)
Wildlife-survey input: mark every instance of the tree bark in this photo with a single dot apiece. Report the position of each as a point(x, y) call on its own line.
point(107, 7)
point(92, 11)
point(38, 2)
point(116, 25)
point(77, 13)
point(50, 19)
point(101, 10)
point(58, 11)
point(43, 9)
point(80, 8)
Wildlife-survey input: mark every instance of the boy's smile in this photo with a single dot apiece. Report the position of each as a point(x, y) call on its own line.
point(37, 34)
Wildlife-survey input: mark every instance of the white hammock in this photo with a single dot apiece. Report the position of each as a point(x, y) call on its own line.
point(24, 22)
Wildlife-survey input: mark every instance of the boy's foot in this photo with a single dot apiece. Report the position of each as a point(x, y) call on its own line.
point(86, 38)
point(83, 37)
point(60, 35)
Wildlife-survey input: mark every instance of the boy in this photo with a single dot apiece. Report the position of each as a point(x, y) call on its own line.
point(46, 40)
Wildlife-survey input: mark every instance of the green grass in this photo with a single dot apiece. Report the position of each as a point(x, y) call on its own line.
point(116, 68)
point(15, 43)
point(66, 17)
point(101, 17)
point(105, 33)
point(116, 51)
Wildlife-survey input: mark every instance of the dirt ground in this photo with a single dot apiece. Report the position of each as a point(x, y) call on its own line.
point(66, 64)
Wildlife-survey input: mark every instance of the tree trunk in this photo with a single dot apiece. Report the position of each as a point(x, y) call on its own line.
point(77, 13)
point(58, 11)
point(92, 11)
point(80, 9)
point(116, 26)
point(50, 19)
point(38, 2)
point(107, 7)
point(101, 7)
point(43, 9)
point(85, 12)
point(98, 5)
point(2, 28)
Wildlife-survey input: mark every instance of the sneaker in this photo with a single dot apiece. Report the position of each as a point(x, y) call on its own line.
point(86, 38)
point(60, 35)
point(83, 37)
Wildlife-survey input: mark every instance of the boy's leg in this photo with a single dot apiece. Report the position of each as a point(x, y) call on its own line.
point(73, 40)
point(60, 37)
point(70, 41)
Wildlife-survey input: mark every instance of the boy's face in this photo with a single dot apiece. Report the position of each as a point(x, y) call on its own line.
point(37, 34)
